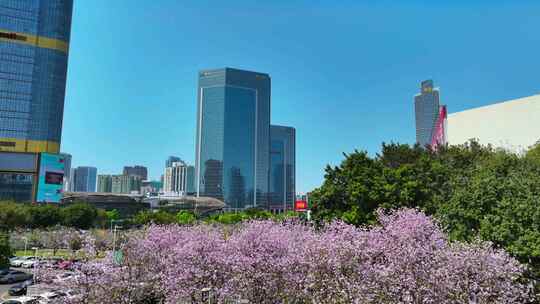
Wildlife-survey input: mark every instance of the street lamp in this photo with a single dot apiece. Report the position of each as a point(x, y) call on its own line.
point(25, 244)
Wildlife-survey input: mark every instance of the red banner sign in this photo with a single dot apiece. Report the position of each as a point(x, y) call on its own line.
point(300, 206)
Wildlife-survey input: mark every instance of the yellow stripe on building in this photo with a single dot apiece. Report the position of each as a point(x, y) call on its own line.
point(24, 145)
point(39, 41)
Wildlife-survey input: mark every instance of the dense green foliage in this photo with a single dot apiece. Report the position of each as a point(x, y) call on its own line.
point(5, 250)
point(475, 191)
point(185, 218)
point(112, 215)
point(82, 216)
point(188, 218)
point(148, 216)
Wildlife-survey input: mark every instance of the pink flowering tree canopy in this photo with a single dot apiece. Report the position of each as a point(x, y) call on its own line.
point(405, 259)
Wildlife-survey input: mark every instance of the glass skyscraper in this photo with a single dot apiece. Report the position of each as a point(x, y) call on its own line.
point(84, 179)
point(282, 192)
point(233, 137)
point(426, 109)
point(34, 44)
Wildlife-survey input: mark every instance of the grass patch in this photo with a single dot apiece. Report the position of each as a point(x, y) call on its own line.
point(47, 253)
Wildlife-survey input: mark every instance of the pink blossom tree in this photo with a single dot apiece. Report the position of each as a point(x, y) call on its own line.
point(406, 259)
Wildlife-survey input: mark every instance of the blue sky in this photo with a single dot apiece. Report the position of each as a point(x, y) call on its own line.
point(343, 75)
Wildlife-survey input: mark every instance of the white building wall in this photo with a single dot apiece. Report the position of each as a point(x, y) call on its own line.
point(175, 178)
point(513, 125)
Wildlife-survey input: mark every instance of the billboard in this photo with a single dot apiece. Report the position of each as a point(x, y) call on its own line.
point(51, 176)
point(300, 205)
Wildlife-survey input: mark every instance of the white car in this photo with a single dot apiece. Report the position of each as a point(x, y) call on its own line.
point(74, 295)
point(66, 276)
point(29, 263)
point(49, 297)
point(22, 300)
point(17, 262)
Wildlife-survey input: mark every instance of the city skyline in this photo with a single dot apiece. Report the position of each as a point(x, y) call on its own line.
point(338, 101)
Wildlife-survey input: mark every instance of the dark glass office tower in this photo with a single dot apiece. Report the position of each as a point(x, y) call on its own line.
point(233, 137)
point(84, 179)
point(34, 43)
point(426, 109)
point(282, 168)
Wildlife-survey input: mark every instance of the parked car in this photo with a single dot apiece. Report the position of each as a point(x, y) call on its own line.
point(3, 272)
point(18, 261)
point(22, 300)
point(67, 264)
point(20, 289)
point(15, 276)
point(51, 262)
point(74, 295)
point(66, 276)
point(49, 297)
point(30, 263)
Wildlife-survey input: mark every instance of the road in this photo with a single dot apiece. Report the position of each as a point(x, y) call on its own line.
point(5, 287)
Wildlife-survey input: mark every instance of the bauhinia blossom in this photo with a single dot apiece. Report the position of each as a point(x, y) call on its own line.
point(406, 259)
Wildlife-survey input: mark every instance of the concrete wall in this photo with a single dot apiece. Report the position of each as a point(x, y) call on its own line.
point(513, 125)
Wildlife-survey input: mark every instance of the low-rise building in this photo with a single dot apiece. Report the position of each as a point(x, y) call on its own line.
point(513, 125)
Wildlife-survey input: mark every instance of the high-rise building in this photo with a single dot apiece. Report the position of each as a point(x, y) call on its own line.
point(104, 183)
point(139, 171)
point(67, 170)
point(190, 180)
point(125, 183)
point(179, 178)
point(84, 179)
point(427, 110)
point(171, 160)
point(282, 168)
point(34, 44)
point(71, 184)
point(233, 137)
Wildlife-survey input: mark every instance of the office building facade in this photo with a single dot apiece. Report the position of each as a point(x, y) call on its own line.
point(84, 179)
point(282, 184)
point(179, 179)
point(18, 175)
point(512, 125)
point(139, 171)
point(34, 43)
point(125, 184)
point(427, 111)
point(172, 159)
point(67, 171)
point(233, 137)
point(104, 183)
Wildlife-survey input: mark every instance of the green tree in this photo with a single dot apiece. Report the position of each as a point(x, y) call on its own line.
point(5, 250)
point(185, 218)
point(13, 215)
point(79, 215)
point(113, 215)
point(43, 216)
point(160, 217)
point(474, 190)
point(533, 153)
